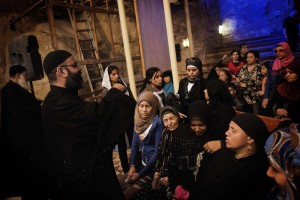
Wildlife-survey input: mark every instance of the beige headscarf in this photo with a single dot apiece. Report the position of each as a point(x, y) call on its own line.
point(140, 125)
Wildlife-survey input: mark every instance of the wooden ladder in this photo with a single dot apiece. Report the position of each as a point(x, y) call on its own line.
point(86, 43)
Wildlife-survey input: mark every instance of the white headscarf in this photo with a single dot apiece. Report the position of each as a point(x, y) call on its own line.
point(106, 80)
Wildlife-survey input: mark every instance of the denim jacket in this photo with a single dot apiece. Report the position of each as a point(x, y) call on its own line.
point(147, 147)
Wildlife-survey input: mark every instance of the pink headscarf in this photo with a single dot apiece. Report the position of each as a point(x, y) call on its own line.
point(286, 60)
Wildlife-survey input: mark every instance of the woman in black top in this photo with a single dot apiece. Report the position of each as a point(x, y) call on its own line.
point(192, 87)
point(186, 149)
point(239, 170)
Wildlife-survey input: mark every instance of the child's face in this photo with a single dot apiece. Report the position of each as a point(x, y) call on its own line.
point(231, 90)
point(167, 79)
point(264, 70)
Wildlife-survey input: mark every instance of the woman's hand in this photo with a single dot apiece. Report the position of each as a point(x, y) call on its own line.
point(212, 146)
point(135, 177)
point(265, 103)
point(181, 115)
point(224, 56)
point(281, 112)
point(164, 181)
point(156, 181)
point(131, 171)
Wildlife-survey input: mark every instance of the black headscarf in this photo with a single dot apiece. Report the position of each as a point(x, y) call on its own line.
point(167, 110)
point(199, 109)
point(254, 127)
point(218, 93)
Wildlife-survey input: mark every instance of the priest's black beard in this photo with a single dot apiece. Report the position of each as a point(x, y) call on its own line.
point(74, 80)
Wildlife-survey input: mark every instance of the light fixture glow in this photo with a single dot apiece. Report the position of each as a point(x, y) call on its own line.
point(185, 43)
point(220, 29)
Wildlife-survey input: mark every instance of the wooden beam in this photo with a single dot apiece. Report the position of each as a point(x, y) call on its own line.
point(87, 8)
point(106, 60)
point(52, 25)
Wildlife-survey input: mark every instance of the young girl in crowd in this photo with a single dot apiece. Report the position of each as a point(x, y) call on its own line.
point(192, 87)
point(111, 76)
point(266, 73)
point(154, 83)
point(168, 82)
point(147, 134)
point(283, 150)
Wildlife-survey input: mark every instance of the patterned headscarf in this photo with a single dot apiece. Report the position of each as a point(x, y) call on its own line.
point(283, 150)
point(140, 125)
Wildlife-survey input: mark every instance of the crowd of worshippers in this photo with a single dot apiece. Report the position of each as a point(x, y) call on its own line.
point(189, 144)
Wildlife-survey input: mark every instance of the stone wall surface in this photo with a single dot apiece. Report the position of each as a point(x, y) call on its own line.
point(242, 19)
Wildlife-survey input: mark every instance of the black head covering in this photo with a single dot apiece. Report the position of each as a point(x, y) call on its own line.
point(15, 69)
point(254, 127)
point(195, 61)
point(167, 110)
point(218, 92)
point(199, 109)
point(55, 58)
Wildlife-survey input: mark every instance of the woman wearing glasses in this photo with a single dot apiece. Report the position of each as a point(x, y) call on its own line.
point(284, 56)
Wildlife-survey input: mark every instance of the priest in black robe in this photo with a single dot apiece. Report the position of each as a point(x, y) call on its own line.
point(20, 137)
point(79, 135)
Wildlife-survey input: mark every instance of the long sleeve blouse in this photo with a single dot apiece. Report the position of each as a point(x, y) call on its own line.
point(252, 79)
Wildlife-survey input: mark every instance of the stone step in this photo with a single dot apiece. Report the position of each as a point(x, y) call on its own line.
point(260, 49)
point(263, 51)
point(252, 43)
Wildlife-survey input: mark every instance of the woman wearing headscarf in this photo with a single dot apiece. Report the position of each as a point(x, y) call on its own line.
point(287, 96)
point(147, 134)
point(225, 76)
point(221, 103)
point(284, 56)
point(187, 151)
point(112, 76)
point(192, 87)
point(283, 150)
point(170, 118)
point(168, 82)
point(239, 170)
